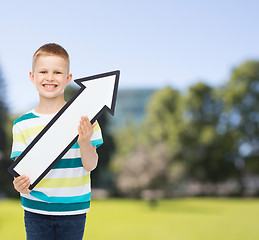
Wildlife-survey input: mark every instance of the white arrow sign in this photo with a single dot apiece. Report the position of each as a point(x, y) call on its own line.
point(97, 94)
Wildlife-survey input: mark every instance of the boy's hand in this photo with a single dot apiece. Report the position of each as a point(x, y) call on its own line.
point(85, 130)
point(22, 184)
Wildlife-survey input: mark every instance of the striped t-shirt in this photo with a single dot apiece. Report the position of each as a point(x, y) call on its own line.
point(66, 189)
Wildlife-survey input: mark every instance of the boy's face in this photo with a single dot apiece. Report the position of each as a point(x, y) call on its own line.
point(50, 76)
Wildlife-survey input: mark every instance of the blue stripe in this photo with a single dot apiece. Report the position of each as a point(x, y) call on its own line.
point(97, 142)
point(75, 146)
point(25, 117)
point(76, 199)
point(15, 154)
point(69, 163)
point(54, 207)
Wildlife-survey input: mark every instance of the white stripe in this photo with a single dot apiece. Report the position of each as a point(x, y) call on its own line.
point(30, 123)
point(30, 139)
point(56, 213)
point(66, 192)
point(16, 130)
point(66, 173)
point(17, 146)
point(97, 134)
point(72, 153)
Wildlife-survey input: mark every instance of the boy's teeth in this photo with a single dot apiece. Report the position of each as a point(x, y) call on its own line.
point(49, 86)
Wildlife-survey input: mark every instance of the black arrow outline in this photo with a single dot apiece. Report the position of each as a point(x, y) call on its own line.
point(55, 118)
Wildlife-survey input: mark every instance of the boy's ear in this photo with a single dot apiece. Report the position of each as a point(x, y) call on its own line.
point(31, 77)
point(69, 78)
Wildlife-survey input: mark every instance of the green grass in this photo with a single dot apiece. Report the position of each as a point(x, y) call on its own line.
point(179, 219)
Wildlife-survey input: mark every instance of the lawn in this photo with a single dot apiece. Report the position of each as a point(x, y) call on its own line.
point(179, 219)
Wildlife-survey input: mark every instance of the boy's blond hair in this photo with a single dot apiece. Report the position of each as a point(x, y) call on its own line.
point(50, 49)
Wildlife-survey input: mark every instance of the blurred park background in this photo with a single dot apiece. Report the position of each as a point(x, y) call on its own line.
point(180, 158)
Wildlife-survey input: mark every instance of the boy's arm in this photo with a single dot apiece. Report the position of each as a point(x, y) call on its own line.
point(88, 152)
point(22, 184)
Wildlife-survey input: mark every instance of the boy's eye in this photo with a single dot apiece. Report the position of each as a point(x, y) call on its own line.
point(57, 72)
point(43, 72)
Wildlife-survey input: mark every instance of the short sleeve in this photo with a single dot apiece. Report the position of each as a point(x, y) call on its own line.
point(19, 143)
point(96, 138)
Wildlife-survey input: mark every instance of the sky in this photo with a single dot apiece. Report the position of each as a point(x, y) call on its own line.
point(153, 43)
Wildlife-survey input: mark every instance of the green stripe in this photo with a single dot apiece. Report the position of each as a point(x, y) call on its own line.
point(97, 127)
point(54, 207)
point(25, 117)
point(69, 163)
point(18, 138)
point(64, 182)
point(33, 131)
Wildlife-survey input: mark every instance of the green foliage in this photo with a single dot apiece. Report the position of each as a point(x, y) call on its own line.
point(163, 118)
point(70, 91)
point(241, 97)
point(5, 178)
point(3, 116)
point(209, 132)
point(102, 176)
point(205, 151)
point(144, 153)
point(243, 87)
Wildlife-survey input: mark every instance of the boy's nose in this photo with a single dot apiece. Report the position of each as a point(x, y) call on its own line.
point(50, 77)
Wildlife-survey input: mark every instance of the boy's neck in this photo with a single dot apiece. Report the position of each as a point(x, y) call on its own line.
point(49, 106)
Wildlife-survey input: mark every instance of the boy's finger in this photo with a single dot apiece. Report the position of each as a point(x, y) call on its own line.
point(18, 179)
point(83, 125)
point(23, 183)
point(94, 124)
point(24, 186)
point(86, 119)
point(79, 129)
point(89, 122)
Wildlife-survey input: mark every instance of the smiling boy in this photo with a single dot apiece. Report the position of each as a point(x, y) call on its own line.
point(57, 207)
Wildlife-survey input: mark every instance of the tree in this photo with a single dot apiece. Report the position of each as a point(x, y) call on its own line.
point(164, 117)
point(145, 153)
point(5, 178)
point(205, 149)
point(241, 95)
point(144, 168)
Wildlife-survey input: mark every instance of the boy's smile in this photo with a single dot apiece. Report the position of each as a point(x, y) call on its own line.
point(50, 87)
point(50, 76)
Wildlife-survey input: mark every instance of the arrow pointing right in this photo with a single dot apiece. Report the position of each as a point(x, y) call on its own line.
point(97, 94)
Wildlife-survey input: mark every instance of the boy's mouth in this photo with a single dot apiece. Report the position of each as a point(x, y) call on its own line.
point(49, 85)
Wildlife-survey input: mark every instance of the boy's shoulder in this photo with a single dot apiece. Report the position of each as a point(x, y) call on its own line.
point(25, 116)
